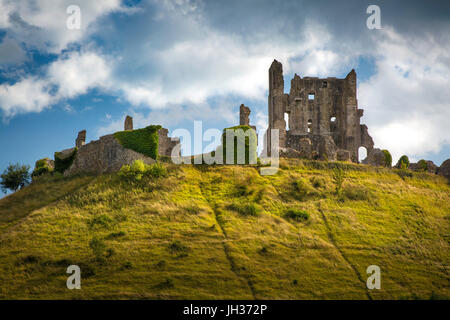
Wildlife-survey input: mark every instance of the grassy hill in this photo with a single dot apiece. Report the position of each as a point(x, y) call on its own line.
point(225, 232)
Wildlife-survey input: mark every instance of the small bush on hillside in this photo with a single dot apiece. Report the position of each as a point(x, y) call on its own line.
point(139, 169)
point(403, 162)
point(14, 177)
point(301, 188)
point(98, 247)
point(177, 246)
point(317, 182)
point(338, 178)
point(246, 209)
point(356, 193)
point(297, 214)
point(127, 265)
point(423, 165)
point(166, 284)
point(242, 190)
point(156, 170)
point(41, 167)
point(403, 173)
point(387, 158)
point(100, 221)
point(115, 235)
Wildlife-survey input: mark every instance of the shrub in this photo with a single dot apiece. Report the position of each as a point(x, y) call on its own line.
point(297, 214)
point(302, 188)
point(387, 158)
point(338, 178)
point(139, 169)
point(423, 165)
point(317, 182)
point(168, 283)
point(115, 235)
point(403, 173)
point(156, 170)
point(62, 163)
point(14, 177)
point(101, 220)
point(250, 148)
point(127, 265)
point(41, 167)
point(403, 162)
point(356, 193)
point(246, 209)
point(98, 247)
point(145, 141)
point(242, 190)
point(177, 246)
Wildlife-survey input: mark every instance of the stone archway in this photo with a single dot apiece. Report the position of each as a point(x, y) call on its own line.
point(362, 154)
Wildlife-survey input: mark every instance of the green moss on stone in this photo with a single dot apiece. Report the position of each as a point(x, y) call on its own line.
point(145, 141)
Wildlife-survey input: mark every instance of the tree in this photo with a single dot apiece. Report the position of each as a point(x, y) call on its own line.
point(403, 162)
point(14, 177)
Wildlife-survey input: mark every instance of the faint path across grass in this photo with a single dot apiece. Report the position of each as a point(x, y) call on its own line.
point(333, 242)
point(226, 248)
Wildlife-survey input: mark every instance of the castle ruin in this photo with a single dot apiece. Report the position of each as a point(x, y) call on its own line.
point(323, 118)
point(107, 155)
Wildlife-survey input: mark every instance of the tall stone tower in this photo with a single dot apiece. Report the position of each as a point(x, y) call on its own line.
point(321, 110)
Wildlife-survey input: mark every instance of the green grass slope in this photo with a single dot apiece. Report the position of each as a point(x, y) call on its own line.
point(224, 232)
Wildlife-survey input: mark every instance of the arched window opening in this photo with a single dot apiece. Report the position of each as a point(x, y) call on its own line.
point(309, 126)
point(362, 154)
point(333, 119)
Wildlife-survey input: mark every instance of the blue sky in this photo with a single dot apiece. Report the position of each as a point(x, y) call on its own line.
point(173, 62)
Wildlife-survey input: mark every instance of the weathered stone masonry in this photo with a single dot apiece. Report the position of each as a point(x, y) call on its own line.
point(108, 155)
point(323, 115)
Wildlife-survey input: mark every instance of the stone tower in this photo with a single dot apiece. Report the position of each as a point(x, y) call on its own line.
point(322, 110)
point(128, 125)
point(81, 139)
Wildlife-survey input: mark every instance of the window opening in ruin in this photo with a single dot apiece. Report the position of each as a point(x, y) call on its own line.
point(309, 127)
point(362, 154)
point(324, 84)
point(311, 96)
point(333, 119)
point(286, 119)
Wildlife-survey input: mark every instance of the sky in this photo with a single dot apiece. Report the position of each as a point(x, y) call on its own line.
point(174, 62)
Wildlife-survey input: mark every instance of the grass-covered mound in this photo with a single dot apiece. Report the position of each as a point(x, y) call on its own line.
point(226, 232)
point(144, 140)
point(244, 134)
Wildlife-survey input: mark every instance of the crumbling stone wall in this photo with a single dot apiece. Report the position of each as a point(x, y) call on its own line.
point(108, 155)
point(167, 144)
point(103, 156)
point(317, 108)
point(81, 139)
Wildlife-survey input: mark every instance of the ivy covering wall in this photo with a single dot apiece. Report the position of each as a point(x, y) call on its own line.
point(145, 141)
point(249, 149)
point(64, 163)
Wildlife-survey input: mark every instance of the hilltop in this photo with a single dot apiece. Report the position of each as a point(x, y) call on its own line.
point(226, 232)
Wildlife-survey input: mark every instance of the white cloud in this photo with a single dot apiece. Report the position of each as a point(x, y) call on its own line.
point(42, 24)
point(407, 101)
point(67, 77)
point(76, 72)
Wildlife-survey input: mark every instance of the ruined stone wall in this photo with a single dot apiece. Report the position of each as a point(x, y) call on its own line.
point(103, 156)
point(167, 144)
point(317, 107)
point(108, 155)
